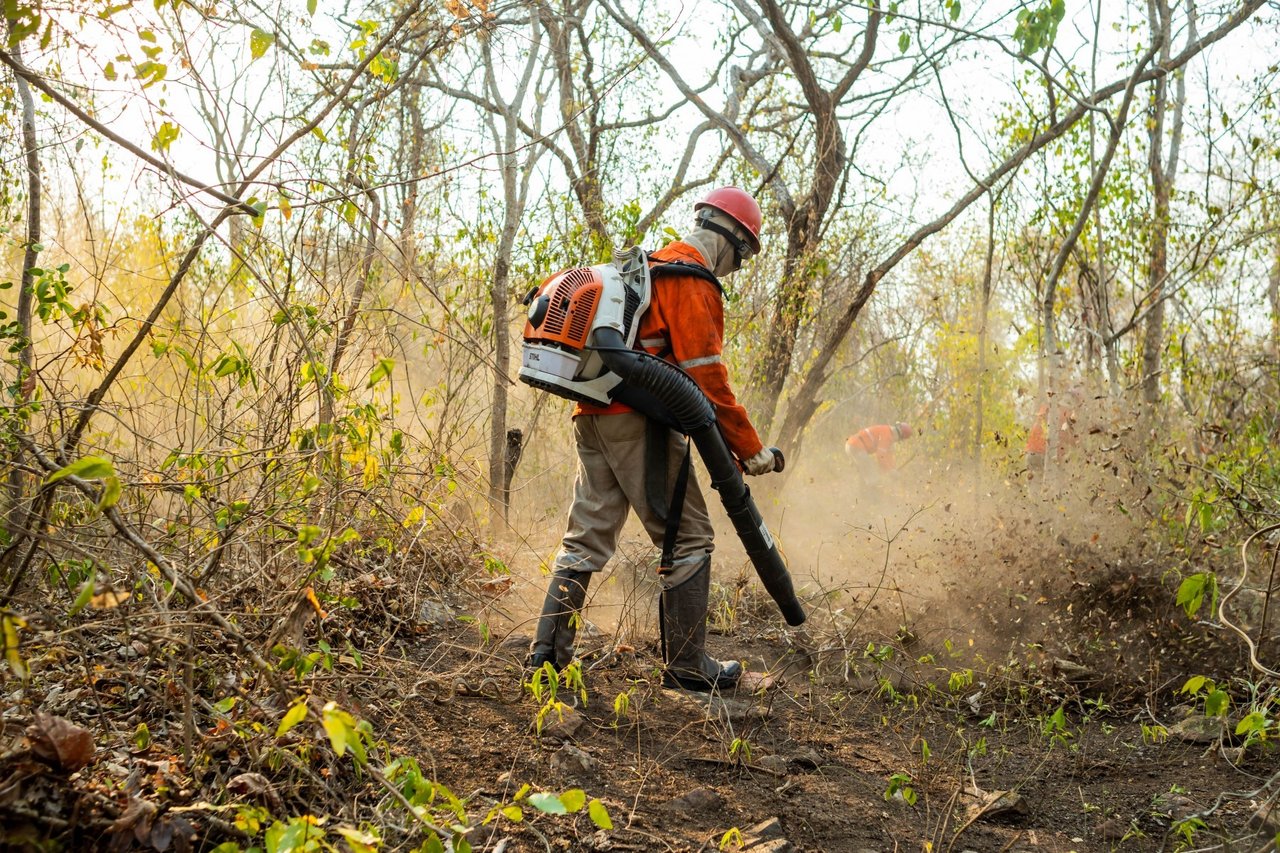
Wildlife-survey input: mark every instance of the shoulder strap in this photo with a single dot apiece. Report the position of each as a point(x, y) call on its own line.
point(686, 268)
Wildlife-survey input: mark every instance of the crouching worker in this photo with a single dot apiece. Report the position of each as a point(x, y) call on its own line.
point(877, 442)
point(626, 461)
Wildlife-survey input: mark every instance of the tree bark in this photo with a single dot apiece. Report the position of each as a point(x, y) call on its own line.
point(24, 380)
point(804, 225)
point(585, 179)
point(409, 214)
point(1163, 169)
point(372, 216)
point(515, 195)
point(984, 310)
point(1273, 301)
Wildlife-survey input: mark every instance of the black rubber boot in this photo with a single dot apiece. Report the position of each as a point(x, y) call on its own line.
point(561, 612)
point(682, 612)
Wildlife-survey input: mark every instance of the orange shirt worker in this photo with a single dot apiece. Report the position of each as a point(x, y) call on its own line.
point(878, 441)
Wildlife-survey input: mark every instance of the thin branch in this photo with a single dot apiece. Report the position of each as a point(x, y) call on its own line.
point(70, 106)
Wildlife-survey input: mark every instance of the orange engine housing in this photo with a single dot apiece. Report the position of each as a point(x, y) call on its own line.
point(572, 297)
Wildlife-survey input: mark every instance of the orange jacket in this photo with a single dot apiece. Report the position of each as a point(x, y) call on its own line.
point(1037, 441)
point(685, 320)
point(876, 441)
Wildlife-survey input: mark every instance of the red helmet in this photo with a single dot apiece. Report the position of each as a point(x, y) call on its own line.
point(741, 207)
point(904, 430)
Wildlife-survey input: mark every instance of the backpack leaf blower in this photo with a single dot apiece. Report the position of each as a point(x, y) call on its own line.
point(578, 344)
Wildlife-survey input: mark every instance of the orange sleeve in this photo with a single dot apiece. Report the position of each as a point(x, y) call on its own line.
point(695, 323)
point(1036, 442)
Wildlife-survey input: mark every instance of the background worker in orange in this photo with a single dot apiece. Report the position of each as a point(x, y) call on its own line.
point(1038, 440)
point(877, 442)
point(685, 325)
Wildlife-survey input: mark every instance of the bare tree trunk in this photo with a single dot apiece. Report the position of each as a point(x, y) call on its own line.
point(1163, 170)
point(25, 379)
point(585, 179)
point(1050, 353)
point(408, 238)
point(515, 195)
point(1273, 299)
point(984, 310)
point(1273, 302)
point(804, 225)
point(803, 238)
point(347, 326)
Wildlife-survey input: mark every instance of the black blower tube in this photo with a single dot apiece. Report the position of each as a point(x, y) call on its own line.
point(651, 379)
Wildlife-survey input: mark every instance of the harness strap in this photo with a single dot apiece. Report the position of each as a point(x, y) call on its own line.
point(676, 511)
point(686, 268)
point(655, 466)
point(669, 510)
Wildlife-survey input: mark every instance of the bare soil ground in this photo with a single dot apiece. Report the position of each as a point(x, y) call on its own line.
point(1008, 682)
point(679, 771)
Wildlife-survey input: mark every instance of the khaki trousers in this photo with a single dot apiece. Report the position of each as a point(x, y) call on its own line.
point(611, 478)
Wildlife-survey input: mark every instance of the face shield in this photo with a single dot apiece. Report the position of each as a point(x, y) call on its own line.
point(724, 225)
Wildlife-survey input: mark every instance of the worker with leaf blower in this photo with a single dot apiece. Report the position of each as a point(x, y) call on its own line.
point(647, 372)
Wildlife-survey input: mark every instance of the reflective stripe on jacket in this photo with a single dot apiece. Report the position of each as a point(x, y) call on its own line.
point(685, 324)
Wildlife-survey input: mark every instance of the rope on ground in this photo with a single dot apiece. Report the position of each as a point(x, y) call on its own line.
point(1222, 604)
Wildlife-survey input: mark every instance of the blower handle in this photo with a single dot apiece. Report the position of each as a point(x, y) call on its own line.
point(779, 461)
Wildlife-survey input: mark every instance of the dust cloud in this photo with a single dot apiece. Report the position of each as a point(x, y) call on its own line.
point(949, 548)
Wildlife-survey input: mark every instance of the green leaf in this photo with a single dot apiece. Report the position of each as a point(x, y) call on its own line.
point(513, 813)
point(1192, 591)
point(433, 845)
point(1254, 723)
point(111, 492)
point(1216, 703)
point(164, 137)
point(296, 714)
point(547, 803)
point(955, 10)
point(151, 72)
point(836, 23)
point(573, 800)
point(223, 706)
point(381, 371)
point(599, 815)
point(341, 728)
point(1194, 684)
point(110, 71)
point(311, 7)
point(225, 366)
point(358, 840)
point(904, 42)
point(88, 468)
point(259, 41)
point(1206, 517)
point(83, 596)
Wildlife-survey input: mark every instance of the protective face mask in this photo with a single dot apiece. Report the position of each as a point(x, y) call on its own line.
point(727, 261)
